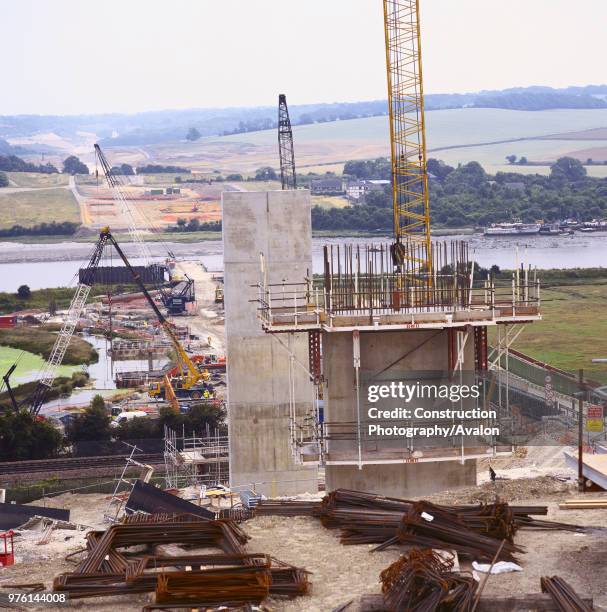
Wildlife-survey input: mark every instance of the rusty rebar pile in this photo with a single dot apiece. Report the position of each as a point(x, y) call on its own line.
point(228, 576)
point(563, 595)
point(425, 582)
point(270, 507)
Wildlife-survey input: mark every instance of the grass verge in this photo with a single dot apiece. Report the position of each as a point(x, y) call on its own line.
point(40, 341)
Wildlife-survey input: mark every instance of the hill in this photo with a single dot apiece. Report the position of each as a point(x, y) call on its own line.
point(486, 135)
point(170, 125)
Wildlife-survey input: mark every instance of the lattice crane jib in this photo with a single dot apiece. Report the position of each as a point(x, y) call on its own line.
point(285, 146)
point(132, 217)
point(410, 198)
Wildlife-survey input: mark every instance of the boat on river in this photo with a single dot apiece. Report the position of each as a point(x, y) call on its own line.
point(512, 229)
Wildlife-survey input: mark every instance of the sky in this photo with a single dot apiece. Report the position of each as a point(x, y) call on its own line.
point(83, 56)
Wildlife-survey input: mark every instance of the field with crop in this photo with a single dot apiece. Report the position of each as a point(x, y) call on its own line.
point(29, 208)
point(330, 201)
point(35, 179)
point(456, 135)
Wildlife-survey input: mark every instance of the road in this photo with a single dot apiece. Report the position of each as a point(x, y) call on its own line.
point(209, 318)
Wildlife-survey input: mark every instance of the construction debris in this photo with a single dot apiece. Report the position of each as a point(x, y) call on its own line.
point(271, 507)
point(474, 531)
point(13, 515)
point(424, 581)
point(152, 500)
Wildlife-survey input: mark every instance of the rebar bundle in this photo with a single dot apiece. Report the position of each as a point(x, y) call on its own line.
point(474, 531)
point(563, 595)
point(229, 576)
point(425, 582)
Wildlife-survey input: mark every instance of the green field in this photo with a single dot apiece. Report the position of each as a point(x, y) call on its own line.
point(573, 329)
point(29, 208)
point(39, 341)
point(164, 178)
point(28, 364)
point(35, 179)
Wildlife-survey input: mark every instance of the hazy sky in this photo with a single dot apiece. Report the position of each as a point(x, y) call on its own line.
point(86, 56)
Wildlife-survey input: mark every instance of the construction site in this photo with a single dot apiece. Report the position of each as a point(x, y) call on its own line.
point(362, 438)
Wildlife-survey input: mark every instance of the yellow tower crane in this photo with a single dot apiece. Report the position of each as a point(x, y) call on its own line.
point(411, 250)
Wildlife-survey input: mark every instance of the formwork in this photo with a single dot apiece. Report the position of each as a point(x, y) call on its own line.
point(371, 323)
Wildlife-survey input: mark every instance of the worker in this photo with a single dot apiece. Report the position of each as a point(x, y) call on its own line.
point(492, 474)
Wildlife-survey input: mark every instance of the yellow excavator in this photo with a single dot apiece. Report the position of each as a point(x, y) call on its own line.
point(185, 380)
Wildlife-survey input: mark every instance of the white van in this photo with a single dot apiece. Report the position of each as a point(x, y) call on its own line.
point(123, 417)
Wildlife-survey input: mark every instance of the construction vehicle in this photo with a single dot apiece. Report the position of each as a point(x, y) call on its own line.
point(288, 178)
point(411, 250)
point(191, 382)
point(182, 292)
point(218, 295)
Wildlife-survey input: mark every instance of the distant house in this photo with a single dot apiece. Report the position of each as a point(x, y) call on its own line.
point(357, 190)
point(327, 186)
point(516, 186)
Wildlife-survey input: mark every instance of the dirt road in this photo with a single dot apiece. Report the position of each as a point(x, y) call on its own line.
point(208, 321)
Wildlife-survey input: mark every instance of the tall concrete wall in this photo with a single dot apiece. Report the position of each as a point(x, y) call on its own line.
point(277, 224)
point(387, 356)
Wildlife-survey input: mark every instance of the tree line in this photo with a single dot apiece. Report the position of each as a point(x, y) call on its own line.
point(12, 163)
point(468, 196)
point(63, 228)
point(23, 436)
point(158, 169)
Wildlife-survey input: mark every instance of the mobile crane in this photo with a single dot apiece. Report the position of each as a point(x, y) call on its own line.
point(191, 382)
point(182, 291)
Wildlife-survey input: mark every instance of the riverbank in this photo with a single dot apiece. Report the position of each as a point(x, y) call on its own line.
point(192, 237)
point(39, 341)
point(60, 297)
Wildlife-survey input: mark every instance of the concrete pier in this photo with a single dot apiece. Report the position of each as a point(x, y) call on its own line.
point(277, 224)
point(386, 356)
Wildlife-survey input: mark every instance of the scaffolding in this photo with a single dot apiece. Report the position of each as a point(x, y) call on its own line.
point(361, 291)
point(195, 460)
point(124, 486)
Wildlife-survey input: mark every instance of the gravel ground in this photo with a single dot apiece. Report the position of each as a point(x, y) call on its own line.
point(341, 573)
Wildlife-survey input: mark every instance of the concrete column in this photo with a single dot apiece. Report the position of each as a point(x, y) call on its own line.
point(277, 224)
point(385, 356)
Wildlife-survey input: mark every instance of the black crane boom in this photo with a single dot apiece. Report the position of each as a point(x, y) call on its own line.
point(285, 146)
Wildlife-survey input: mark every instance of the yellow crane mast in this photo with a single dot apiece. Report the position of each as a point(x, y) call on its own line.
point(410, 199)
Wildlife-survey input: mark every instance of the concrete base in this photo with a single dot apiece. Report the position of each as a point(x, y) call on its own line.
point(277, 224)
point(404, 481)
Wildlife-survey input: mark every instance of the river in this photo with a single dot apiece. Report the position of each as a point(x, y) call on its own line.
point(55, 265)
point(102, 374)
